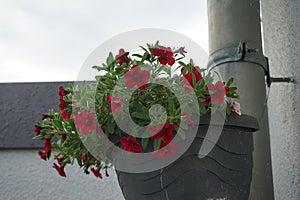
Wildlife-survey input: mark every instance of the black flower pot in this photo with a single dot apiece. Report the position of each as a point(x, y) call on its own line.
point(225, 173)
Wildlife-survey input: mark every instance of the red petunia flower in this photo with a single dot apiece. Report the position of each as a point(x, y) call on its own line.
point(206, 101)
point(59, 169)
point(130, 144)
point(188, 78)
point(166, 151)
point(166, 133)
point(165, 55)
point(43, 155)
point(65, 115)
point(63, 136)
point(62, 92)
point(85, 122)
point(143, 87)
point(122, 57)
point(62, 104)
point(37, 130)
point(136, 77)
point(115, 103)
point(96, 173)
point(47, 146)
point(226, 89)
point(219, 92)
point(83, 158)
point(60, 160)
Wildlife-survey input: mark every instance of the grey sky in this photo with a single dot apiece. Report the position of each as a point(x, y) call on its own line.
point(49, 40)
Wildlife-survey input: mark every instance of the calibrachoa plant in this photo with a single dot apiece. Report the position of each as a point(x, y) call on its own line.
point(63, 131)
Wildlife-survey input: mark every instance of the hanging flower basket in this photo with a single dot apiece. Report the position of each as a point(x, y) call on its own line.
point(225, 173)
point(159, 106)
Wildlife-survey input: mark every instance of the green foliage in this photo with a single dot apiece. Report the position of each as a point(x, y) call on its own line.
point(68, 139)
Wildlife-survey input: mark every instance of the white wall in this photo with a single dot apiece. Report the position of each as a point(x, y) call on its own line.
point(281, 28)
point(25, 176)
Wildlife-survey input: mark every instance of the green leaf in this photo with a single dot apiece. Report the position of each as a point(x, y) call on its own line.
point(79, 161)
point(98, 68)
point(137, 55)
point(110, 59)
point(157, 144)
point(144, 48)
point(145, 142)
point(182, 63)
point(140, 115)
point(180, 58)
point(229, 82)
point(232, 89)
point(171, 105)
point(40, 136)
point(55, 145)
point(202, 109)
point(57, 123)
point(177, 68)
point(144, 57)
point(111, 128)
point(178, 112)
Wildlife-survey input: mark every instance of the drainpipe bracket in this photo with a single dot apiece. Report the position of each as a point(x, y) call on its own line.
point(244, 52)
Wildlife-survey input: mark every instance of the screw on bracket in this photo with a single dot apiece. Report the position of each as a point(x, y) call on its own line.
point(271, 80)
point(243, 52)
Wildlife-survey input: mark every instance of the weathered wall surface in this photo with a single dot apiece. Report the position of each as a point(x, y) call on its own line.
point(25, 176)
point(21, 105)
point(281, 28)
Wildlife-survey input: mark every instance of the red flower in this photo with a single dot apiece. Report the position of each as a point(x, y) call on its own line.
point(166, 151)
point(122, 57)
point(188, 78)
point(65, 115)
point(59, 169)
point(165, 55)
point(43, 155)
point(219, 92)
point(206, 101)
point(85, 122)
point(60, 160)
point(130, 144)
point(63, 136)
point(143, 87)
point(166, 133)
point(115, 103)
point(96, 173)
point(62, 104)
point(47, 149)
point(226, 89)
point(47, 146)
point(136, 77)
point(82, 158)
point(37, 130)
point(62, 92)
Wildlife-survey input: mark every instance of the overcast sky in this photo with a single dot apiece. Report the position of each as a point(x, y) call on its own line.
point(50, 40)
